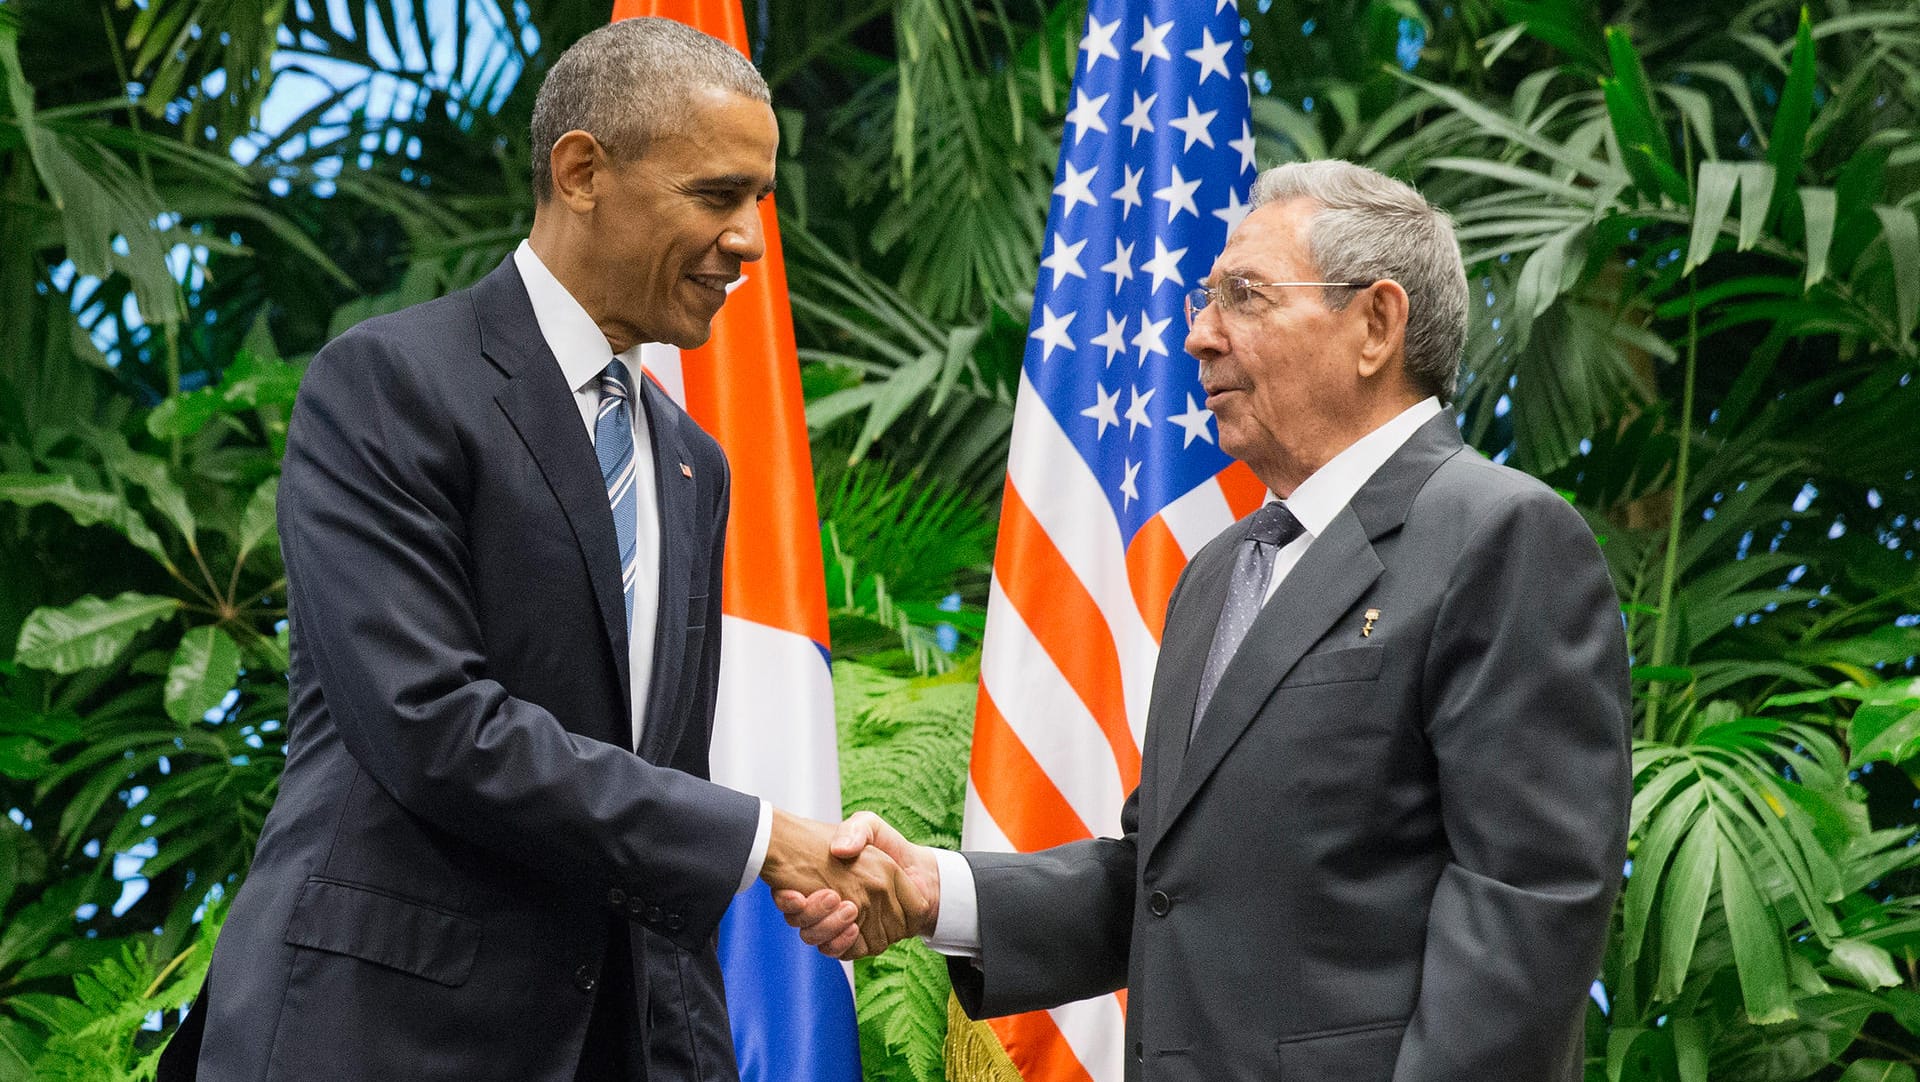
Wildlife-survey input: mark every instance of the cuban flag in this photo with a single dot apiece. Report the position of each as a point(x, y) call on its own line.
point(791, 1008)
point(1115, 476)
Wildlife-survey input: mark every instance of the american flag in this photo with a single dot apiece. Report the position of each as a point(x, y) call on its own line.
point(1115, 475)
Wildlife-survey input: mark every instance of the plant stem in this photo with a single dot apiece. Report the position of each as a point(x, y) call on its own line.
point(1663, 627)
point(154, 988)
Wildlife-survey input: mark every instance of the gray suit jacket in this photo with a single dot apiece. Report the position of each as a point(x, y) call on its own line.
point(460, 815)
point(1385, 856)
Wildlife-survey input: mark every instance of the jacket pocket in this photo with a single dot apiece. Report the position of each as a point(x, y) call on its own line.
point(1336, 666)
point(1364, 1053)
point(365, 923)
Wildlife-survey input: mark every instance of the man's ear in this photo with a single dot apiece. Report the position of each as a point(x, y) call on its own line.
point(577, 162)
point(1383, 307)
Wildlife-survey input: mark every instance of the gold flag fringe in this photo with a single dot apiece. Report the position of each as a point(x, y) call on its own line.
point(974, 1054)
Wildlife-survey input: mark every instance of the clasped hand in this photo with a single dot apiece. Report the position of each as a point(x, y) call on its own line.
point(873, 889)
point(845, 887)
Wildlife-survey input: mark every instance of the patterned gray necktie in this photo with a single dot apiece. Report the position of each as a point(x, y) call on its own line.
point(1272, 527)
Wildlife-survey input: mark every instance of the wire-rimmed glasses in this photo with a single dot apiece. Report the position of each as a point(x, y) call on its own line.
point(1233, 292)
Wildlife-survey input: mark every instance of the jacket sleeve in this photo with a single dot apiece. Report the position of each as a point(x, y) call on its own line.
point(1055, 926)
point(372, 527)
point(1527, 713)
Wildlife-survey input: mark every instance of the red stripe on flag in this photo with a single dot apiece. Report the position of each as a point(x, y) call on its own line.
point(1038, 1048)
point(1154, 560)
point(1014, 788)
point(1244, 492)
point(743, 387)
point(1069, 626)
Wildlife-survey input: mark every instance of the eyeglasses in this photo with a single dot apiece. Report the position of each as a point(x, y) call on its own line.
point(1233, 293)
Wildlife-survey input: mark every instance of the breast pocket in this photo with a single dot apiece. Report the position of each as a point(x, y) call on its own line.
point(1352, 664)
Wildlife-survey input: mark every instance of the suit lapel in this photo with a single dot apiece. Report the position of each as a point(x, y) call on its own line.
point(1183, 657)
point(540, 406)
point(678, 525)
point(1336, 570)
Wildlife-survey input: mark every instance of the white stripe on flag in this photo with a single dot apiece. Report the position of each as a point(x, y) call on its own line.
point(1066, 500)
point(1049, 718)
point(663, 363)
point(1198, 517)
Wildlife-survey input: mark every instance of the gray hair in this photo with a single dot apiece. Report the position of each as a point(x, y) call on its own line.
point(628, 83)
point(1371, 226)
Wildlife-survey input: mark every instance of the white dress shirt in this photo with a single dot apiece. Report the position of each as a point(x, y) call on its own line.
point(584, 354)
point(1315, 503)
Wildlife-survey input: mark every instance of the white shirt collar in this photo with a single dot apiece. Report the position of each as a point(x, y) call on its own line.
point(1331, 487)
point(570, 332)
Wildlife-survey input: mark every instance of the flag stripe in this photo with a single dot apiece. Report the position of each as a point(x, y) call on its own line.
point(1038, 1048)
point(1154, 560)
point(1245, 492)
point(1041, 817)
point(1068, 625)
point(1051, 721)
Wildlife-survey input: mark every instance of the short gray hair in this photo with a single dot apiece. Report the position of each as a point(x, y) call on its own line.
point(627, 83)
point(1371, 226)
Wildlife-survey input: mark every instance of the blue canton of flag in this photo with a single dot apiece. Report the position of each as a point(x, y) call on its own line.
point(1154, 170)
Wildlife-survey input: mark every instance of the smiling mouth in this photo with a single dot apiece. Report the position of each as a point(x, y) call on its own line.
point(713, 283)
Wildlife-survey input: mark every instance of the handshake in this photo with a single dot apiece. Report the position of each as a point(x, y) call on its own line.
point(852, 890)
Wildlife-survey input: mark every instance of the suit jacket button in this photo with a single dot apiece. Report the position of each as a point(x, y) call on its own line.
point(635, 907)
point(653, 915)
point(1158, 903)
point(617, 898)
point(674, 922)
point(586, 979)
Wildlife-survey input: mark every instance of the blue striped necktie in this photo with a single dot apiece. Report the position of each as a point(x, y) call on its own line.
point(613, 443)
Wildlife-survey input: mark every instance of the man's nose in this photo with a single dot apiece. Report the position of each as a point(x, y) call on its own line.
point(1206, 337)
point(745, 238)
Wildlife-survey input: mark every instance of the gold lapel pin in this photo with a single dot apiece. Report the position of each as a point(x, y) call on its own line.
point(686, 470)
point(1366, 629)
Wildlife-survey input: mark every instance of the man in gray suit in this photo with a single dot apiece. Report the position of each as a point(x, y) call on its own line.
point(1382, 813)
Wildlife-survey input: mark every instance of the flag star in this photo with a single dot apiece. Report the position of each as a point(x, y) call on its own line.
point(1077, 189)
point(1115, 338)
point(1098, 42)
point(1129, 485)
point(1195, 124)
point(1137, 410)
point(1244, 145)
point(1152, 337)
point(1129, 193)
point(1121, 265)
point(1140, 120)
point(1224, 5)
point(1153, 41)
point(1065, 259)
point(1233, 211)
point(1086, 115)
point(1053, 331)
point(1211, 55)
point(1164, 265)
point(1194, 422)
point(1178, 195)
point(1102, 410)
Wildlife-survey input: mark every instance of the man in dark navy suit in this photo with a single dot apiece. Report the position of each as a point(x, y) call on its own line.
point(495, 853)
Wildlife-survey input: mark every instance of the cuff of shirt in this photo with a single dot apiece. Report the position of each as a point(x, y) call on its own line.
point(757, 856)
point(957, 931)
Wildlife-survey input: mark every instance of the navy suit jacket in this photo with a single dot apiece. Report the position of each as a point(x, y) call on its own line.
point(460, 812)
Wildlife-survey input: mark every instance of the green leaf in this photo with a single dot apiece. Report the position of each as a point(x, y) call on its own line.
point(1759, 954)
point(1787, 148)
point(1865, 964)
point(1818, 205)
point(1712, 198)
point(151, 474)
point(90, 632)
point(1903, 247)
point(257, 521)
point(1877, 1070)
point(1756, 196)
point(86, 507)
point(1689, 883)
point(204, 670)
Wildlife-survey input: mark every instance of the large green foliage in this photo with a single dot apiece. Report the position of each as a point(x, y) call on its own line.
point(1694, 228)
